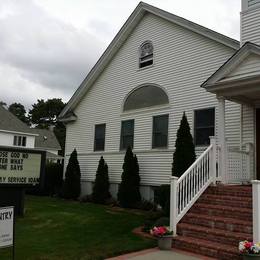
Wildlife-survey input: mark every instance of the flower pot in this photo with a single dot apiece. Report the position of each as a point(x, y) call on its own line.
point(165, 243)
point(251, 256)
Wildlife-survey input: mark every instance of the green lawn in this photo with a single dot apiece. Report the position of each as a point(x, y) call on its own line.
point(58, 229)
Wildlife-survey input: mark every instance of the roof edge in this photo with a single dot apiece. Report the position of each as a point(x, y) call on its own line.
point(17, 132)
point(231, 62)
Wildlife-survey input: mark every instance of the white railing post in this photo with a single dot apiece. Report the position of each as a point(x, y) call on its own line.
point(222, 139)
point(173, 205)
point(213, 159)
point(256, 210)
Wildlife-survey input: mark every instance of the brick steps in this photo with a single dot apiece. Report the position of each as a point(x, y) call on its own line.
point(212, 234)
point(236, 191)
point(216, 223)
point(232, 201)
point(205, 247)
point(229, 224)
point(224, 211)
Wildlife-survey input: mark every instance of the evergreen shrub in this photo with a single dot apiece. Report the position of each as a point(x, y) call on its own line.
point(184, 154)
point(101, 186)
point(71, 187)
point(129, 189)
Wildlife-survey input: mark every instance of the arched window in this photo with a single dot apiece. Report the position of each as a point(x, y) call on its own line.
point(146, 54)
point(146, 96)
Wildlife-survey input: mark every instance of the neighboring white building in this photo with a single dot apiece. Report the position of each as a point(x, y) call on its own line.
point(13, 132)
point(148, 76)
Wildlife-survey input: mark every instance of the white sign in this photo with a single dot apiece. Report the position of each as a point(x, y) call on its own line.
point(18, 167)
point(6, 226)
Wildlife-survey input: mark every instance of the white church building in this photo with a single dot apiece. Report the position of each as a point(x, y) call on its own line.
point(158, 66)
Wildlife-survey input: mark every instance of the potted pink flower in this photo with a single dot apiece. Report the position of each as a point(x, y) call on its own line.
point(164, 237)
point(249, 250)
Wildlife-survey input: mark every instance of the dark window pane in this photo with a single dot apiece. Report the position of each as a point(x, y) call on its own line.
point(160, 131)
point(19, 140)
point(145, 63)
point(146, 96)
point(24, 141)
point(205, 117)
point(204, 126)
point(203, 134)
point(100, 131)
point(127, 134)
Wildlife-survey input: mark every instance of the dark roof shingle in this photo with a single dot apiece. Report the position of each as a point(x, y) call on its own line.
point(46, 139)
point(10, 122)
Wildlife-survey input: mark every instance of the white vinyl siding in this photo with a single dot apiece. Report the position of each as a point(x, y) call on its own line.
point(253, 2)
point(249, 67)
point(183, 60)
point(250, 26)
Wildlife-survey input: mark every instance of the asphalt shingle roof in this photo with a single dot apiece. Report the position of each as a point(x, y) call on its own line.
point(46, 139)
point(10, 122)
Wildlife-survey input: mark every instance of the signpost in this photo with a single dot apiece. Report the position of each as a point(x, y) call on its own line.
point(7, 228)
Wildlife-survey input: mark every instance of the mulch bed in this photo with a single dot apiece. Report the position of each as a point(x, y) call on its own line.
point(139, 232)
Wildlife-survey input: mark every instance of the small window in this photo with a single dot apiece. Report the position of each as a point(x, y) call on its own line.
point(204, 126)
point(19, 140)
point(127, 134)
point(146, 54)
point(160, 131)
point(100, 131)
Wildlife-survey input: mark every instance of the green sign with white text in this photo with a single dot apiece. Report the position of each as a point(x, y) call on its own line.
point(19, 167)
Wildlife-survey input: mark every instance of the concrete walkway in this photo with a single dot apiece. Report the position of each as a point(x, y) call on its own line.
point(156, 254)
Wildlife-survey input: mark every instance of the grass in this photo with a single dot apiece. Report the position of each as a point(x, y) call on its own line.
point(57, 229)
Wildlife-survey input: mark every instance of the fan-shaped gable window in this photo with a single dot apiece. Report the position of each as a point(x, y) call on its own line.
point(146, 54)
point(146, 96)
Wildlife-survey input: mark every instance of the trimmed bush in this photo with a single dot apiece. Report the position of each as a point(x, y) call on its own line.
point(184, 154)
point(53, 178)
point(101, 186)
point(71, 187)
point(129, 194)
point(50, 183)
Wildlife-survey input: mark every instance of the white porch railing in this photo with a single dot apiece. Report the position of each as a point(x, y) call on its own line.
point(188, 188)
point(239, 164)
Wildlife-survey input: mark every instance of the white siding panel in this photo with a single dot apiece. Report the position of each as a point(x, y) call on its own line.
point(183, 60)
point(250, 26)
point(248, 124)
point(253, 2)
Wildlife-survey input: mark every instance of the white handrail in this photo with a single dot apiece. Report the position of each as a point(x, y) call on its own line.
point(188, 188)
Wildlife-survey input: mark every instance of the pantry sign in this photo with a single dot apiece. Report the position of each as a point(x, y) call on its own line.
point(20, 167)
point(6, 227)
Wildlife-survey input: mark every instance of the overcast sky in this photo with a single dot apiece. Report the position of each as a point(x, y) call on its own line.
point(47, 47)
